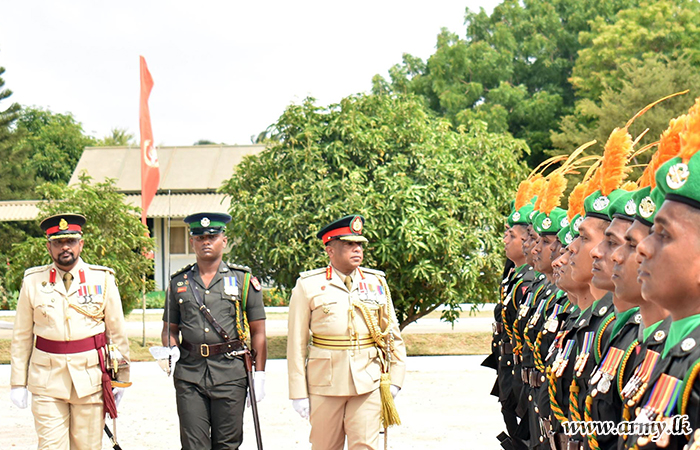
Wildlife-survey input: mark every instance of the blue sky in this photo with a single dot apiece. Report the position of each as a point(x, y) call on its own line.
point(223, 70)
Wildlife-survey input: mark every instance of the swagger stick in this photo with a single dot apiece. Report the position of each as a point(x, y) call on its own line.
point(249, 368)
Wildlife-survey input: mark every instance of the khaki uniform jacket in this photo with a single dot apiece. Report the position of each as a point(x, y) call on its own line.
point(44, 310)
point(323, 306)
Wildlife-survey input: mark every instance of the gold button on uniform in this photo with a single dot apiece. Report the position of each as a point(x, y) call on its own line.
point(206, 330)
point(207, 291)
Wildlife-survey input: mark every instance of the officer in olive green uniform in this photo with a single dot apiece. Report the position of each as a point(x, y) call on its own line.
point(210, 376)
point(68, 311)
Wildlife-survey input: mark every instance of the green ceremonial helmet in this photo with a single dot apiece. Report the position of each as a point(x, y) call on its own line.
point(550, 223)
point(623, 206)
point(598, 205)
point(679, 181)
point(520, 216)
point(648, 203)
point(565, 236)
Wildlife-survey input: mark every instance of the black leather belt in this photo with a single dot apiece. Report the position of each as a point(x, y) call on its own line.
point(206, 350)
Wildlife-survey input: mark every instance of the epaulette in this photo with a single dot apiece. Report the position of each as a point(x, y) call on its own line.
point(36, 269)
point(238, 267)
point(309, 273)
point(379, 273)
point(184, 269)
point(103, 268)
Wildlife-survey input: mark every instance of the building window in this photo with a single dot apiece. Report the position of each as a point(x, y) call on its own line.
point(180, 241)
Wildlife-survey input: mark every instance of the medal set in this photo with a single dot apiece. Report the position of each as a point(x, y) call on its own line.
point(552, 323)
point(582, 357)
point(603, 377)
point(372, 293)
point(231, 286)
point(637, 385)
point(661, 404)
point(562, 359)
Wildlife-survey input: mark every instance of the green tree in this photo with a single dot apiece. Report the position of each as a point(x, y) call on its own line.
point(52, 143)
point(114, 236)
point(511, 70)
point(640, 84)
point(434, 198)
point(669, 28)
point(119, 137)
point(8, 116)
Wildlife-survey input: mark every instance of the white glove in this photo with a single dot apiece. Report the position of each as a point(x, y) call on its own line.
point(394, 390)
point(19, 395)
point(118, 393)
point(301, 406)
point(174, 356)
point(259, 386)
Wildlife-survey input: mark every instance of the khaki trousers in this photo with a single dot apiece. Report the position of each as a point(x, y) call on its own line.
point(333, 418)
point(74, 424)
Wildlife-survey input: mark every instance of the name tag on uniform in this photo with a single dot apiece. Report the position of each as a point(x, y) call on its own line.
point(231, 286)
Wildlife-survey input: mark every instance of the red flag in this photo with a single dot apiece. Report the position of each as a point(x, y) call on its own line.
point(150, 174)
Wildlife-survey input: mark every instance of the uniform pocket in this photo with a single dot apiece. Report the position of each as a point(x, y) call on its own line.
point(92, 368)
point(39, 369)
point(319, 370)
point(43, 315)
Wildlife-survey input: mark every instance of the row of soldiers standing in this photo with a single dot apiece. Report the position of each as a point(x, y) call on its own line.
point(598, 320)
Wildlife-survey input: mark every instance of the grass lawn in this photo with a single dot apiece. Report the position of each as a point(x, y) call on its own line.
point(416, 345)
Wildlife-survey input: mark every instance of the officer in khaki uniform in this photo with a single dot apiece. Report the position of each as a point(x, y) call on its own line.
point(73, 309)
point(341, 319)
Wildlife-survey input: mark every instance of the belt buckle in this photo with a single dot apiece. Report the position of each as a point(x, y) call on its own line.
point(494, 327)
point(204, 350)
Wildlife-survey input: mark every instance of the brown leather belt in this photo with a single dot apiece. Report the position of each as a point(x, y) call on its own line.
point(66, 347)
point(506, 348)
point(207, 350)
point(535, 378)
point(564, 442)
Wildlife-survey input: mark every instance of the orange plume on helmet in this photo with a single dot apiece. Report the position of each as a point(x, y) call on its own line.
point(669, 146)
point(690, 136)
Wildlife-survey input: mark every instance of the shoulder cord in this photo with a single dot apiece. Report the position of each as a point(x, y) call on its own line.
point(599, 337)
point(552, 390)
point(539, 364)
point(241, 316)
point(504, 320)
point(688, 382)
point(623, 366)
point(591, 437)
point(573, 401)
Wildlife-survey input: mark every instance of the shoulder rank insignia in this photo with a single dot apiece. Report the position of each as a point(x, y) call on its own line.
point(184, 269)
point(255, 283)
point(238, 267)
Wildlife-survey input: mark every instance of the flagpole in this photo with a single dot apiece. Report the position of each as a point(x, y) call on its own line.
point(150, 172)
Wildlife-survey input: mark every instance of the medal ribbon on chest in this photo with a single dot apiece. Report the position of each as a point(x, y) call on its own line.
point(538, 312)
point(552, 323)
point(52, 277)
point(562, 359)
point(526, 305)
point(603, 377)
point(637, 384)
point(663, 399)
point(231, 286)
point(582, 357)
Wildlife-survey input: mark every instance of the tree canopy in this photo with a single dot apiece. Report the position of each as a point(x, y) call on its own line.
point(511, 70)
point(114, 236)
point(434, 198)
